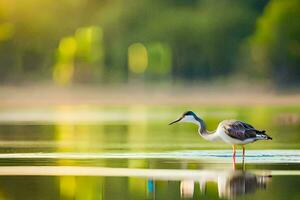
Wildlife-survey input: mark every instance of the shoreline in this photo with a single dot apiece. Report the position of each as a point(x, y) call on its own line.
point(43, 95)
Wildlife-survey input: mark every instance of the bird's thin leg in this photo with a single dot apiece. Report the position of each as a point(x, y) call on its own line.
point(233, 148)
point(233, 156)
point(243, 157)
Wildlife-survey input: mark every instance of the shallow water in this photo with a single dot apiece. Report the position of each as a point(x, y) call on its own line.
point(84, 152)
point(205, 156)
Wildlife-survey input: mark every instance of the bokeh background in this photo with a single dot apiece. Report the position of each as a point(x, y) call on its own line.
point(154, 42)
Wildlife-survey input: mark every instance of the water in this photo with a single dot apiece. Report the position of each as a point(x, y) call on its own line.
point(92, 152)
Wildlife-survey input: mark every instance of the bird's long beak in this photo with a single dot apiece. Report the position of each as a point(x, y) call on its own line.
point(177, 120)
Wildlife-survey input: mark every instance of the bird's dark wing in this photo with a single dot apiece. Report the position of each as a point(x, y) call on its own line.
point(240, 130)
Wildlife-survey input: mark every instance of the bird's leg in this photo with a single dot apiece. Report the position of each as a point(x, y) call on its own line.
point(243, 157)
point(233, 156)
point(233, 148)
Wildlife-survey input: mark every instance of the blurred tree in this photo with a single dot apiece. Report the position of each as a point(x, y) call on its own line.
point(185, 40)
point(274, 48)
point(204, 36)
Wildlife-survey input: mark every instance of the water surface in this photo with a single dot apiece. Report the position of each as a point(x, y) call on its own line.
point(118, 152)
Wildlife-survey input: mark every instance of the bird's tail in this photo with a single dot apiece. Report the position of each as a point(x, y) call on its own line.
point(262, 134)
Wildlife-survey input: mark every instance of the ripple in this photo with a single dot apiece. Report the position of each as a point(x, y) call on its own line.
point(208, 156)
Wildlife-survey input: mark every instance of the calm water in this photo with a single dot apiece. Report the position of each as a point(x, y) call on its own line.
point(84, 152)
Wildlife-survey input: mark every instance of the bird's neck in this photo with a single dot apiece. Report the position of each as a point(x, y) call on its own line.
point(203, 132)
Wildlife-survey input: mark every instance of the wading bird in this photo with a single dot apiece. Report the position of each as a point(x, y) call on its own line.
point(233, 132)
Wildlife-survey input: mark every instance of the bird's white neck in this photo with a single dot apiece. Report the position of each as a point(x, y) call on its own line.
point(210, 136)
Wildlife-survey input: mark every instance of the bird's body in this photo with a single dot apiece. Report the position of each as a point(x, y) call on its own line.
point(233, 132)
point(238, 132)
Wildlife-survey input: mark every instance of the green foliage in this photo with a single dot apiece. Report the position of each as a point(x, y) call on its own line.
point(186, 40)
point(275, 45)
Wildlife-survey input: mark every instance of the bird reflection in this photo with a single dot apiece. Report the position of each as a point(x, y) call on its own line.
point(240, 183)
point(231, 184)
point(187, 188)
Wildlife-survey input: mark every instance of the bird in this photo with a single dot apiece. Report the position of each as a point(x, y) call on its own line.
point(234, 132)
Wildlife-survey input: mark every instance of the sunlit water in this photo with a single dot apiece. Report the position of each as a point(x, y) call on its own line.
point(83, 152)
point(205, 156)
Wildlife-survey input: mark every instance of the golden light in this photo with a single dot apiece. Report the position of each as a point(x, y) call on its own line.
point(6, 31)
point(64, 69)
point(67, 186)
point(89, 43)
point(137, 58)
point(67, 48)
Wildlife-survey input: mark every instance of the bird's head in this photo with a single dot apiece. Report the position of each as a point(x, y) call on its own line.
point(188, 116)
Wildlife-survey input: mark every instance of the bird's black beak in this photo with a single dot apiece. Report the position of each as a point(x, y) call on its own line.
point(177, 120)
